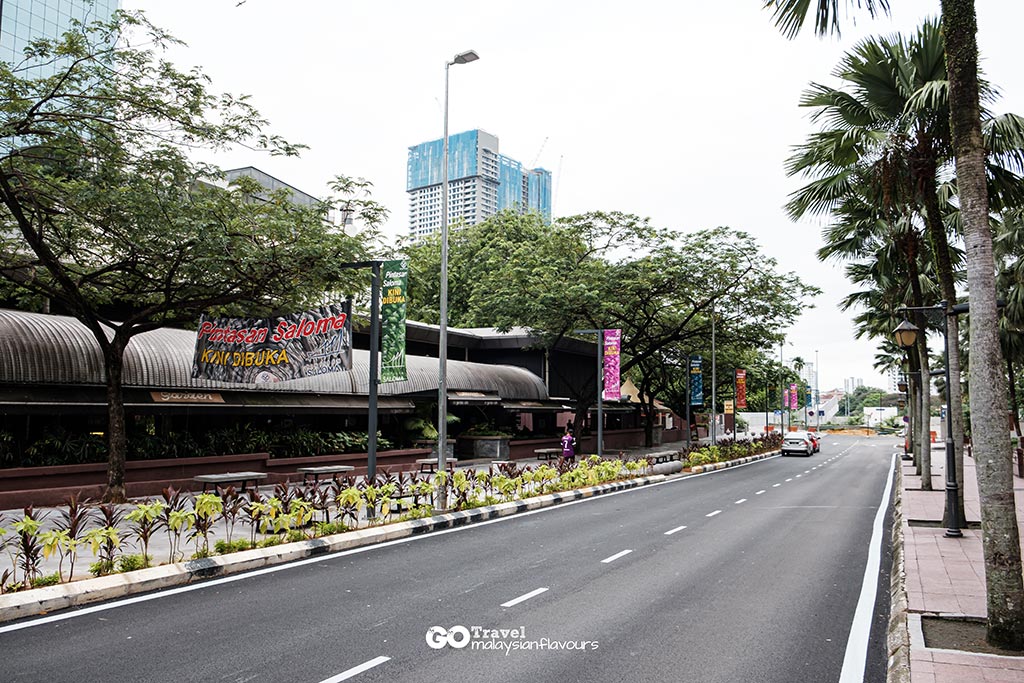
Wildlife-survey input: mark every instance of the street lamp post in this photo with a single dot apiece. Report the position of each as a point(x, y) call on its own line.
point(442, 371)
point(906, 336)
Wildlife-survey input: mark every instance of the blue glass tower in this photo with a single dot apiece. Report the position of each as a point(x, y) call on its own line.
point(22, 21)
point(481, 182)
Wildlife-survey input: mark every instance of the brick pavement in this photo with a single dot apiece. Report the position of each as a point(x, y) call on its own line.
point(946, 577)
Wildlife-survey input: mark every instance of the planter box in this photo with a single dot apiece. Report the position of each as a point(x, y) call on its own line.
point(485, 447)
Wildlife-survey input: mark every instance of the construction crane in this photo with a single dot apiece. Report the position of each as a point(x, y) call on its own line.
point(537, 158)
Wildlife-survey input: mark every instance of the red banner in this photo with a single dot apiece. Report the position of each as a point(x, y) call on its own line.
point(741, 389)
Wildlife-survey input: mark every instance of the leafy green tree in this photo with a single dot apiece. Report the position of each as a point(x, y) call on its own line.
point(612, 270)
point(1005, 586)
point(103, 214)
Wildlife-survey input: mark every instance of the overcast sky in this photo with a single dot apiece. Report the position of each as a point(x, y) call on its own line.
point(681, 112)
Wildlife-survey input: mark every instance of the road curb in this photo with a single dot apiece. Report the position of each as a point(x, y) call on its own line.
point(40, 601)
point(711, 467)
point(897, 639)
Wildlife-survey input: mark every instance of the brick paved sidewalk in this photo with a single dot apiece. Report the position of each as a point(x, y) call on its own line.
point(946, 577)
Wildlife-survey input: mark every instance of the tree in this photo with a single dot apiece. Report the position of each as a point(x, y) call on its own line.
point(612, 270)
point(104, 216)
point(1004, 583)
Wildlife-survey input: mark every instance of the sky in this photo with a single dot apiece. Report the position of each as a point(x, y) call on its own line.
point(680, 112)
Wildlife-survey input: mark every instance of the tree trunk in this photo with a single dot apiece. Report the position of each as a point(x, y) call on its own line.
point(944, 270)
point(989, 423)
point(117, 437)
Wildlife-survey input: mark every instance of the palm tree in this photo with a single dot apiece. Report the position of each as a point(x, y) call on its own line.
point(1005, 586)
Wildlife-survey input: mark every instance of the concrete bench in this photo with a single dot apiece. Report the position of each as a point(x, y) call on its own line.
point(547, 453)
point(316, 472)
point(430, 464)
point(230, 478)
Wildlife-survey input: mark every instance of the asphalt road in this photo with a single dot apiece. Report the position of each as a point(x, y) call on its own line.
point(750, 574)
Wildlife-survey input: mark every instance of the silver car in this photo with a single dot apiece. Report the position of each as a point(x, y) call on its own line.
point(798, 442)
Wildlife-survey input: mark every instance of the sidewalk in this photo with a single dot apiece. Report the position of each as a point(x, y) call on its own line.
point(945, 577)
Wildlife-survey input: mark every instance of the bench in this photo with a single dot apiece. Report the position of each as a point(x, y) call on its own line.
point(229, 478)
point(547, 453)
point(429, 465)
point(316, 472)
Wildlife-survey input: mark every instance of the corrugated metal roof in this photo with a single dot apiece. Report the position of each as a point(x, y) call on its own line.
point(53, 349)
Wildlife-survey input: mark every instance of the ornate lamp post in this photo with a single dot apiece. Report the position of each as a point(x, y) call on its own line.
point(906, 336)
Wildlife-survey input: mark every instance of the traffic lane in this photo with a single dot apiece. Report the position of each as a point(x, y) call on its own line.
point(220, 626)
point(231, 629)
point(767, 595)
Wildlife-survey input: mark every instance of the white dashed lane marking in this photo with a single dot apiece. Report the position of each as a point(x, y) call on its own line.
point(609, 560)
point(526, 596)
point(672, 531)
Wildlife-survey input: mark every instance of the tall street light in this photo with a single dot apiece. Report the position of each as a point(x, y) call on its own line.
point(906, 335)
point(442, 384)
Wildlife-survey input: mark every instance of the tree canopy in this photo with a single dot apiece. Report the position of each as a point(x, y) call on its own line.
point(105, 215)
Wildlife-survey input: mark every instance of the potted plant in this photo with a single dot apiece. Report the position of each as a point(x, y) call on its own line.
point(486, 441)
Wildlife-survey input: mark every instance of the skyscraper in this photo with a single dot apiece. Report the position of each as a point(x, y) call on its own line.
point(22, 21)
point(481, 182)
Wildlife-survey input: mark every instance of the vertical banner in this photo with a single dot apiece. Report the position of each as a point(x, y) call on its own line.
point(810, 397)
point(696, 381)
point(785, 398)
point(394, 278)
point(793, 405)
point(741, 389)
point(612, 347)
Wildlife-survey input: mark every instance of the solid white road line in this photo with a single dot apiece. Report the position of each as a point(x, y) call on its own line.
point(672, 531)
point(741, 501)
point(712, 514)
point(365, 666)
point(855, 660)
point(614, 557)
point(759, 492)
point(522, 598)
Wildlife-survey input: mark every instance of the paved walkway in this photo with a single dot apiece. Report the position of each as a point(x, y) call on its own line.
point(946, 577)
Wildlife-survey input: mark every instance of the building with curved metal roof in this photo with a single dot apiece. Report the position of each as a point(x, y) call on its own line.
point(52, 360)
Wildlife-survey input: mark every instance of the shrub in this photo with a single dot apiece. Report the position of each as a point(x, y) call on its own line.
point(129, 563)
point(48, 580)
point(223, 547)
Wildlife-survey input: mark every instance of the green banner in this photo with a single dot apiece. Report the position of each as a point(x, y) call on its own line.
point(394, 285)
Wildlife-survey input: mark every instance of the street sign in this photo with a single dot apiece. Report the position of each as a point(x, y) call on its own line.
point(778, 412)
point(821, 413)
point(728, 408)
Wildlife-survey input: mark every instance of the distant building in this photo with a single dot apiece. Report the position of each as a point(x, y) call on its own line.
point(481, 182)
point(22, 21)
point(850, 384)
point(893, 377)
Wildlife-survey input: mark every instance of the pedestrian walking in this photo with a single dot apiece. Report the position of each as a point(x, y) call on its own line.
point(569, 446)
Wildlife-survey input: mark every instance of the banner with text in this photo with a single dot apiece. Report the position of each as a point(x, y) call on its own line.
point(612, 347)
point(793, 401)
point(696, 381)
point(263, 350)
point(741, 389)
point(394, 283)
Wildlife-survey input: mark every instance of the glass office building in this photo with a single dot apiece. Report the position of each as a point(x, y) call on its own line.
point(24, 20)
point(481, 182)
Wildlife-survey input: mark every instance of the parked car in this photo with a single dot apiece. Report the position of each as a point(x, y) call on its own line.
point(798, 442)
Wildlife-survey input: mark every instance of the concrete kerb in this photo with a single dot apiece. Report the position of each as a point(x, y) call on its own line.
point(898, 634)
point(37, 601)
